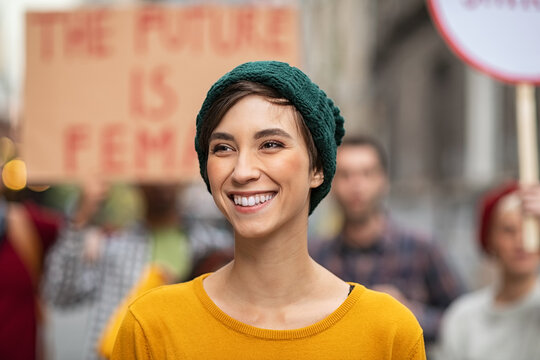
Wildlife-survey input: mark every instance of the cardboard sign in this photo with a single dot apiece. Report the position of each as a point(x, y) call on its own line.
point(498, 37)
point(115, 93)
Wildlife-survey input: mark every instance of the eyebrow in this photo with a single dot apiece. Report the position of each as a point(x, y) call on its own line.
point(272, 132)
point(258, 135)
point(221, 136)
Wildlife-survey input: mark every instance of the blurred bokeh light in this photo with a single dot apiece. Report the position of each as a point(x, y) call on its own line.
point(14, 174)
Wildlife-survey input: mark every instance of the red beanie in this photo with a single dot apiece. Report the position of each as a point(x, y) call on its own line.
point(488, 204)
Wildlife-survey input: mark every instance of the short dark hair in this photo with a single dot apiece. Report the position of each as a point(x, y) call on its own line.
point(239, 90)
point(366, 140)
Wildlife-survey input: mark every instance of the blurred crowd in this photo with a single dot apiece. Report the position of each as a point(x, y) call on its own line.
point(99, 246)
point(102, 245)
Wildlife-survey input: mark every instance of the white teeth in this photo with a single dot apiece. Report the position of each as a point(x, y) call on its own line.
point(251, 200)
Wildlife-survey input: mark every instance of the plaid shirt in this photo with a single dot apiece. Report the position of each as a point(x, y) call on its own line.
point(401, 258)
point(71, 280)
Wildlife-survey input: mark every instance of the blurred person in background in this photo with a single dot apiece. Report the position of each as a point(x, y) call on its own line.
point(27, 232)
point(210, 234)
point(110, 267)
point(501, 321)
point(373, 250)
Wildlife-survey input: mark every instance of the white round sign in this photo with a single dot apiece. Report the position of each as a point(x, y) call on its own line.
point(499, 37)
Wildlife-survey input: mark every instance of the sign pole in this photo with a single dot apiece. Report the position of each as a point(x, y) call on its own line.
point(528, 154)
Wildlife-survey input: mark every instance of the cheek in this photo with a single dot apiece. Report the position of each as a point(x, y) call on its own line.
point(341, 188)
point(216, 172)
point(294, 163)
point(379, 185)
point(216, 177)
point(502, 245)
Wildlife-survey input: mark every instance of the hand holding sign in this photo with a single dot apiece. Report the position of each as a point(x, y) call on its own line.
point(500, 38)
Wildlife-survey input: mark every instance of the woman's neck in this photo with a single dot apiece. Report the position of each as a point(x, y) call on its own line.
point(273, 283)
point(514, 288)
point(273, 270)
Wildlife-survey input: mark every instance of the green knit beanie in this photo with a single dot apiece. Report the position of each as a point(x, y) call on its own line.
point(318, 110)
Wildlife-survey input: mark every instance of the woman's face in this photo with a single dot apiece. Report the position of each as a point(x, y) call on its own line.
point(506, 244)
point(258, 168)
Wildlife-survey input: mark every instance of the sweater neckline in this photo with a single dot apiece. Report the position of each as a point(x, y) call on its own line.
point(271, 334)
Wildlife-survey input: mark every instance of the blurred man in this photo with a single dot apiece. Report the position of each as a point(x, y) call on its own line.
point(374, 251)
point(108, 268)
point(501, 321)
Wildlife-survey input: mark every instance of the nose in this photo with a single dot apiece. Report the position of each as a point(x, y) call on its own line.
point(246, 169)
point(359, 183)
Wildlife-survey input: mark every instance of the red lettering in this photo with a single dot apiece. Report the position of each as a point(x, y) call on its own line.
point(85, 34)
point(532, 3)
point(276, 30)
point(223, 36)
point(82, 34)
point(146, 20)
point(162, 100)
point(511, 4)
point(173, 29)
point(223, 30)
point(165, 92)
point(185, 28)
point(148, 145)
point(194, 31)
point(99, 47)
point(136, 87)
point(75, 139)
point(112, 148)
point(246, 26)
point(189, 156)
point(46, 24)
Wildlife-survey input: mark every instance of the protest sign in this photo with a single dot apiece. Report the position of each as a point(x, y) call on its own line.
point(114, 93)
point(501, 38)
point(498, 37)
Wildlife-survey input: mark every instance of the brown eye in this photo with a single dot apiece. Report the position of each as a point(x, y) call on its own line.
point(271, 145)
point(221, 148)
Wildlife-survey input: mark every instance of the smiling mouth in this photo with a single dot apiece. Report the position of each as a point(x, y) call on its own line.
point(252, 200)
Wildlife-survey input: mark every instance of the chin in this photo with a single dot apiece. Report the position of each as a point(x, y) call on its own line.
point(522, 271)
point(250, 233)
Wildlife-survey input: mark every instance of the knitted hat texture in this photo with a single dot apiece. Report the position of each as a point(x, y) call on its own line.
point(321, 116)
point(488, 204)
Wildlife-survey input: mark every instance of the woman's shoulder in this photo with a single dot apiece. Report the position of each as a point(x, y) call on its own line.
point(386, 309)
point(164, 298)
point(383, 317)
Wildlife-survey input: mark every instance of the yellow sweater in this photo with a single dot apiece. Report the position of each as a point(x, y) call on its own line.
point(181, 322)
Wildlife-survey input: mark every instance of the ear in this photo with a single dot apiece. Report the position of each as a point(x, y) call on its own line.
point(317, 178)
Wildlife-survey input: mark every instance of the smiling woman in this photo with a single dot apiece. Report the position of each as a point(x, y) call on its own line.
point(261, 156)
point(266, 142)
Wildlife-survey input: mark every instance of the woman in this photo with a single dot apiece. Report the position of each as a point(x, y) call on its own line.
point(266, 141)
point(501, 321)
